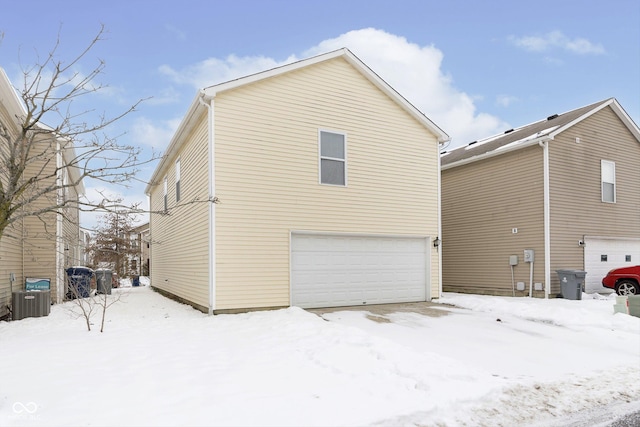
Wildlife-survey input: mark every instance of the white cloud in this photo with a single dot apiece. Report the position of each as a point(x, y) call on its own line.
point(413, 70)
point(213, 70)
point(97, 194)
point(556, 39)
point(505, 100)
point(165, 96)
point(156, 135)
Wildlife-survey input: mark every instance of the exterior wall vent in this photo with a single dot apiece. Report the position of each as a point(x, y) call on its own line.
point(30, 304)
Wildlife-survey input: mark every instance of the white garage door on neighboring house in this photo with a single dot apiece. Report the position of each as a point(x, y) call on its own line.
point(341, 270)
point(603, 254)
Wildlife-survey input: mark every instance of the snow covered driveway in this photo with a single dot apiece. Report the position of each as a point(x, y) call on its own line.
point(492, 361)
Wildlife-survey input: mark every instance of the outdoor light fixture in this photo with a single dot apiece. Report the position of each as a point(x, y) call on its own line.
point(436, 242)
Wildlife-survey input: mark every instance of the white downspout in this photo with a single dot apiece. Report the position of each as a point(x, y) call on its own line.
point(59, 259)
point(212, 205)
point(439, 248)
point(547, 219)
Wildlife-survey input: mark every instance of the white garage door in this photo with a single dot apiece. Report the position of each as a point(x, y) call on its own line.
point(602, 255)
point(335, 270)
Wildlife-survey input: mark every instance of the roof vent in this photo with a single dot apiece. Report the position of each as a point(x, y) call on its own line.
point(471, 143)
point(508, 131)
point(552, 117)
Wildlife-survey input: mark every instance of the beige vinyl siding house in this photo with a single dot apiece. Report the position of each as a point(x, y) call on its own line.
point(42, 246)
point(319, 169)
point(540, 187)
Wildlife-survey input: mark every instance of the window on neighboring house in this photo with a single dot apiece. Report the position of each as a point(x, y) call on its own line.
point(64, 191)
point(177, 180)
point(333, 158)
point(608, 175)
point(166, 205)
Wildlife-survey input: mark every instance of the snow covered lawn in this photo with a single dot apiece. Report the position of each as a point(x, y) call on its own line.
point(491, 361)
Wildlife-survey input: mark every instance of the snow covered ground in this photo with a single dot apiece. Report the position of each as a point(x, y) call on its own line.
point(491, 361)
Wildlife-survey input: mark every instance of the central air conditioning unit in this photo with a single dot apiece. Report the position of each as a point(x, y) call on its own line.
point(30, 304)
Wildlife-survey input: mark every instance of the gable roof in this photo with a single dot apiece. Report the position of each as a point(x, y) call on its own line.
point(208, 93)
point(525, 136)
point(345, 53)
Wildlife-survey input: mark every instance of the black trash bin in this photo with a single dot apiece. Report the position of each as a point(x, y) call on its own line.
point(571, 283)
point(136, 280)
point(104, 278)
point(78, 282)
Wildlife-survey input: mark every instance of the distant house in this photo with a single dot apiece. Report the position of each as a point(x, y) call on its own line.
point(328, 185)
point(38, 247)
point(141, 237)
point(567, 187)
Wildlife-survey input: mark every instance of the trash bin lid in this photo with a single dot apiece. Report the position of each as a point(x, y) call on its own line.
point(79, 270)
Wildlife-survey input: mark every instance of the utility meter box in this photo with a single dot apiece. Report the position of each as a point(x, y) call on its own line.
point(528, 255)
point(513, 259)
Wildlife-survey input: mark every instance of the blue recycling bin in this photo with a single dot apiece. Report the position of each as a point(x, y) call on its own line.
point(136, 280)
point(78, 282)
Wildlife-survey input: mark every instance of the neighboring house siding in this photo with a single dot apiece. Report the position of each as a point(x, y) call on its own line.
point(28, 248)
point(267, 180)
point(577, 209)
point(11, 241)
point(180, 239)
point(71, 232)
point(11, 261)
point(482, 202)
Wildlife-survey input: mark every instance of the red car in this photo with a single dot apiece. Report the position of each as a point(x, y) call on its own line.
point(625, 280)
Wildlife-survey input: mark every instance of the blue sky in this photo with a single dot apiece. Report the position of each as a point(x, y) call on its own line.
point(474, 67)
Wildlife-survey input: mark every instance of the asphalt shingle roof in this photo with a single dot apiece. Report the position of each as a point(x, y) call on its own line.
point(524, 133)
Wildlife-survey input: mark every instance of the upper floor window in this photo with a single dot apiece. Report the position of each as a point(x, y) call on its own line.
point(333, 158)
point(165, 192)
point(608, 178)
point(177, 180)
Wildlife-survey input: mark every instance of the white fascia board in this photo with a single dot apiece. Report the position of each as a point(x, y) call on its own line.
point(10, 99)
point(626, 119)
point(186, 125)
point(393, 94)
point(616, 107)
point(498, 152)
point(210, 92)
point(581, 118)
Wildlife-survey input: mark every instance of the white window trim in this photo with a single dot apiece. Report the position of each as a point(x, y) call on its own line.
point(602, 181)
point(320, 157)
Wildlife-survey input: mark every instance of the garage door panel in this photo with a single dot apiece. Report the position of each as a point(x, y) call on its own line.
point(604, 254)
point(330, 270)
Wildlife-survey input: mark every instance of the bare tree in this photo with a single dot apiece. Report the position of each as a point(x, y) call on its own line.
point(91, 302)
point(49, 148)
point(112, 243)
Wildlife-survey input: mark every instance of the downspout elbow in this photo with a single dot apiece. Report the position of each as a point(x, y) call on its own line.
point(543, 142)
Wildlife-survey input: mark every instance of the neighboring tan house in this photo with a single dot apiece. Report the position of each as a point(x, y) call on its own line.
point(140, 263)
point(43, 246)
point(567, 187)
point(327, 190)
